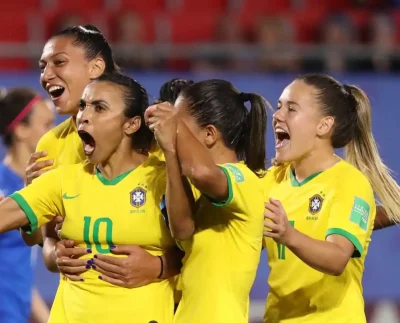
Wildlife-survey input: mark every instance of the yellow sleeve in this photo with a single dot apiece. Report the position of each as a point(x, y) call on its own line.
point(239, 186)
point(41, 201)
point(48, 144)
point(352, 214)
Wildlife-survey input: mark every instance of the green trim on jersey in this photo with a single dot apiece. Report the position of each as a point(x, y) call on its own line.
point(28, 212)
point(230, 189)
point(113, 181)
point(296, 183)
point(353, 239)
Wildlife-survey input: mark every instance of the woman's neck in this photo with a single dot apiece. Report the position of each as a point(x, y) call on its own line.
point(17, 157)
point(315, 162)
point(120, 163)
point(223, 155)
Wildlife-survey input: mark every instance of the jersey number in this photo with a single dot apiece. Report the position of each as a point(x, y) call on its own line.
point(282, 248)
point(87, 229)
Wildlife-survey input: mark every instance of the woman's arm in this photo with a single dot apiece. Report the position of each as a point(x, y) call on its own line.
point(33, 239)
point(11, 216)
point(179, 200)
point(330, 256)
point(179, 197)
point(40, 310)
point(198, 165)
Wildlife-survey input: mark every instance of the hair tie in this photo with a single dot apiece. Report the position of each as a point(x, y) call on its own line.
point(245, 97)
point(24, 112)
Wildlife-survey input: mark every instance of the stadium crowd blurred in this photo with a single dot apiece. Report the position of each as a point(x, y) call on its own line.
point(235, 35)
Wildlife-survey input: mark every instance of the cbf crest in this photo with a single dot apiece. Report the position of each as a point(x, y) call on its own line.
point(315, 204)
point(138, 197)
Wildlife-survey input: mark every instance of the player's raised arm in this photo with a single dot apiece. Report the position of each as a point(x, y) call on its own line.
point(179, 197)
point(208, 130)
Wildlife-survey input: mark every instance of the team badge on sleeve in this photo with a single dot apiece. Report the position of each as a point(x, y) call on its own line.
point(360, 213)
point(138, 197)
point(315, 204)
point(237, 173)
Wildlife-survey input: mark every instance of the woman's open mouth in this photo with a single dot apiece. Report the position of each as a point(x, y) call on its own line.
point(55, 91)
point(89, 143)
point(282, 138)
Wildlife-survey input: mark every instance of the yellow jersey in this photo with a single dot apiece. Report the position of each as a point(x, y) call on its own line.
point(62, 144)
point(155, 150)
point(99, 213)
point(339, 201)
point(222, 257)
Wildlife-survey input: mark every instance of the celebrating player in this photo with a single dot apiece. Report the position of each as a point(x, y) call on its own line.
point(24, 118)
point(321, 209)
point(114, 198)
point(219, 145)
point(69, 61)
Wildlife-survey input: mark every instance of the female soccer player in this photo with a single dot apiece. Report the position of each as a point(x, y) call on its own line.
point(321, 209)
point(24, 118)
point(212, 139)
point(114, 198)
point(69, 61)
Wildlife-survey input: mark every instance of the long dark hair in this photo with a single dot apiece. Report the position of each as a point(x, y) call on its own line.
point(218, 103)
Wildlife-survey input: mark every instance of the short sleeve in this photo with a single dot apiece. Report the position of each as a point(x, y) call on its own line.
point(240, 184)
point(352, 214)
point(42, 200)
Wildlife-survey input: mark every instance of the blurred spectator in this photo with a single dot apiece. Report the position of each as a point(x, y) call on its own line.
point(275, 37)
point(383, 41)
point(130, 37)
point(229, 34)
point(371, 4)
point(339, 37)
point(68, 20)
point(229, 31)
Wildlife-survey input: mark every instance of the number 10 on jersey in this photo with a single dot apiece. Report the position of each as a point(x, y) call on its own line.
point(94, 232)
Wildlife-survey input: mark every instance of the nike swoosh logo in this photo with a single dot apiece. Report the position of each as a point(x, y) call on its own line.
point(66, 197)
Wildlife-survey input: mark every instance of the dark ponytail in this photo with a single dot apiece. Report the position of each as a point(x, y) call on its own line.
point(170, 90)
point(218, 103)
point(94, 43)
point(255, 139)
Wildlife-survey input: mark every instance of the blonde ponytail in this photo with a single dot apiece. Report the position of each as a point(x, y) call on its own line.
point(362, 152)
